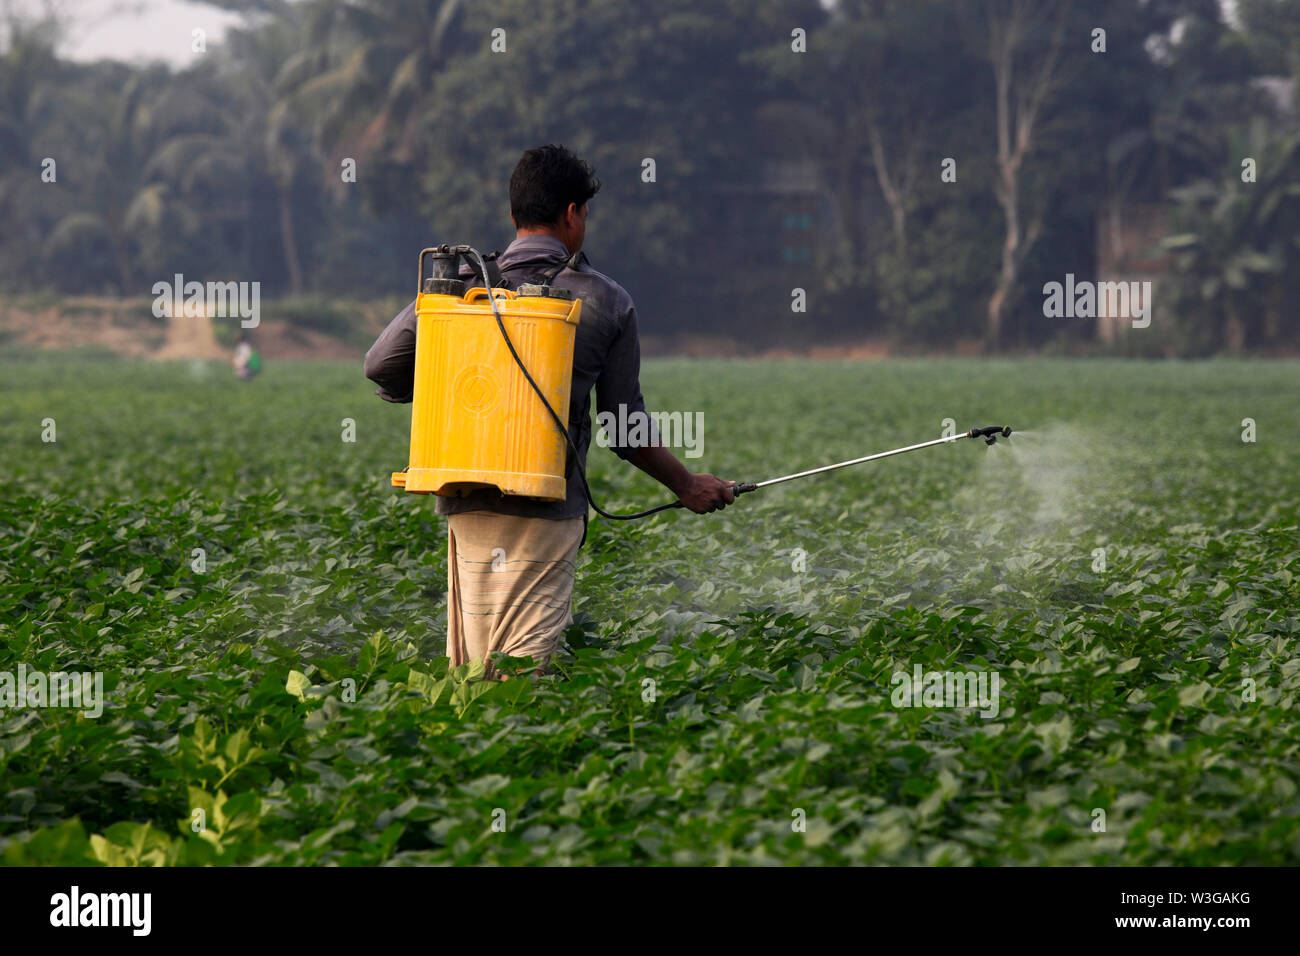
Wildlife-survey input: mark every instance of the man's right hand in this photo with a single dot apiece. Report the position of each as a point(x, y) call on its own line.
point(700, 493)
point(706, 493)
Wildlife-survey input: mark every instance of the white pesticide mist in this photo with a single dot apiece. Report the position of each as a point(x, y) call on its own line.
point(1016, 518)
point(1028, 515)
point(1048, 482)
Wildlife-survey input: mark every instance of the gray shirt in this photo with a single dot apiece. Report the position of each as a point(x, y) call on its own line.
point(606, 355)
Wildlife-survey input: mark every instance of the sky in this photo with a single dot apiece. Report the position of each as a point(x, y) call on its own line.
point(137, 30)
point(132, 29)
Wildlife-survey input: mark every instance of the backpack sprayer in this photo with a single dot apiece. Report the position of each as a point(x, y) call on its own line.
point(471, 425)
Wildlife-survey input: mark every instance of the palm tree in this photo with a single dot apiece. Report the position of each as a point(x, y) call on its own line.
point(150, 169)
point(114, 104)
point(268, 70)
point(30, 79)
point(1239, 244)
point(362, 77)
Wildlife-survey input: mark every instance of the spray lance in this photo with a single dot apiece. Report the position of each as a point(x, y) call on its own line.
point(989, 433)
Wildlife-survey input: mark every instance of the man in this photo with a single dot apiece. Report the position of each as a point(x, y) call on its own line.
point(511, 560)
point(246, 362)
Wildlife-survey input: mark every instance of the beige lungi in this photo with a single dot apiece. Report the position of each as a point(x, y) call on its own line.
point(509, 584)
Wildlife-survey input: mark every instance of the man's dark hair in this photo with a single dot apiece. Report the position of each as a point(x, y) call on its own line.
point(546, 180)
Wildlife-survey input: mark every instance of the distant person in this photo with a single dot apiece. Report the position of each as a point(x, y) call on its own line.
point(521, 608)
point(247, 362)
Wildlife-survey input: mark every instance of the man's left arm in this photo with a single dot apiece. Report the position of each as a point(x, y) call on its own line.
point(390, 363)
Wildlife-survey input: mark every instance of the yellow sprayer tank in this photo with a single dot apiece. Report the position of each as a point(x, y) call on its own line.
point(475, 420)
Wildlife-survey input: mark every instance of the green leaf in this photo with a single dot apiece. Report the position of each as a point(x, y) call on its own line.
point(297, 684)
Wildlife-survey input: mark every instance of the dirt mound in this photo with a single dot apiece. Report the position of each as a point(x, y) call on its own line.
point(128, 327)
point(191, 337)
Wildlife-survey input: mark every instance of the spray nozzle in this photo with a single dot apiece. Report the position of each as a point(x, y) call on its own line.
point(990, 433)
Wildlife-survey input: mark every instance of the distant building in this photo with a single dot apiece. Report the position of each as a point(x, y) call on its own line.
point(772, 220)
point(1128, 238)
point(765, 240)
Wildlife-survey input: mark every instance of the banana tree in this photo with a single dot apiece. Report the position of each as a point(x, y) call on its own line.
point(1238, 245)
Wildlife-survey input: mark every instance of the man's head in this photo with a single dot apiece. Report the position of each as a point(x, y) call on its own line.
point(548, 194)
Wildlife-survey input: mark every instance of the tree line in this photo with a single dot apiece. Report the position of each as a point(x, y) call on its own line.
point(916, 169)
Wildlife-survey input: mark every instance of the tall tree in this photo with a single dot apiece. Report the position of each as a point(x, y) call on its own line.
point(107, 171)
point(1024, 50)
point(267, 83)
point(879, 77)
point(35, 124)
point(659, 99)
